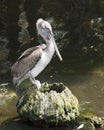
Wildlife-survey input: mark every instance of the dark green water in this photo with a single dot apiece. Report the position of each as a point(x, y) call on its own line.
point(79, 31)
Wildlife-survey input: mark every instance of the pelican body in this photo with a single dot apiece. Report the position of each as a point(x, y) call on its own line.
point(33, 61)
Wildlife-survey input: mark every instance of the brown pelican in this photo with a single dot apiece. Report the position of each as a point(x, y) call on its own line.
point(36, 58)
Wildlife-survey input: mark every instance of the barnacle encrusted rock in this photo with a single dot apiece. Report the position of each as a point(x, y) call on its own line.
point(53, 104)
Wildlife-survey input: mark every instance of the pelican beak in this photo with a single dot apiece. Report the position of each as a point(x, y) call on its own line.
point(56, 49)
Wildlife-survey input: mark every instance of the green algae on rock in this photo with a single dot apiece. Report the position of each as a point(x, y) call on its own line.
point(53, 104)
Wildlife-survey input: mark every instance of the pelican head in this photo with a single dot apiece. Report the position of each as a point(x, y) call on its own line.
point(44, 29)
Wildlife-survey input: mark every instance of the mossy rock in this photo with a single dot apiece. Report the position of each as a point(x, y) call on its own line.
point(95, 120)
point(53, 104)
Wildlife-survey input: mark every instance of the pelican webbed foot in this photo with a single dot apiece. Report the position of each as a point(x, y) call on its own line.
point(36, 82)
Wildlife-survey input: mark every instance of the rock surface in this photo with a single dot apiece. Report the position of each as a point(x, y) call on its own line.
point(54, 104)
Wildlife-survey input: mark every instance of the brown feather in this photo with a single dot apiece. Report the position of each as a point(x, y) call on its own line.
point(27, 61)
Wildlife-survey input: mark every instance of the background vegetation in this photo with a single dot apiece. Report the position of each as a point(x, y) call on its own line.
point(78, 27)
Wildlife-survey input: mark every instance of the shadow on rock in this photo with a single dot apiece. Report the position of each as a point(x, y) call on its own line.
point(22, 124)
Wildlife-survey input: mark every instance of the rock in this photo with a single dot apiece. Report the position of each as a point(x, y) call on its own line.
point(90, 117)
point(54, 104)
point(97, 122)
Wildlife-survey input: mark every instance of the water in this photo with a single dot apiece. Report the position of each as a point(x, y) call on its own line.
point(79, 31)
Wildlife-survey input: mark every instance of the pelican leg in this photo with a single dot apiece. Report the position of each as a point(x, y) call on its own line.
point(36, 82)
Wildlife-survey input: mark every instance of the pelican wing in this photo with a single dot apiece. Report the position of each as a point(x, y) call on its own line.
point(27, 61)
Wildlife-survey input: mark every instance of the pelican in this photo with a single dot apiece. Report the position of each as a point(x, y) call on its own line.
point(34, 60)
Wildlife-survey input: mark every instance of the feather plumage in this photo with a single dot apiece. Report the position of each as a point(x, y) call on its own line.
point(27, 61)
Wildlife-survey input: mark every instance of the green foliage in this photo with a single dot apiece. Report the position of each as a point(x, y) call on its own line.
point(83, 25)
